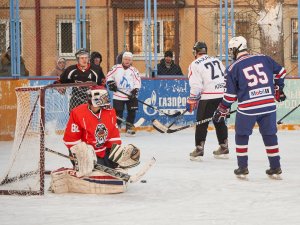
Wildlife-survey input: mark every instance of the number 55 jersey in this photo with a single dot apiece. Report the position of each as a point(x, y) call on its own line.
point(251, 80)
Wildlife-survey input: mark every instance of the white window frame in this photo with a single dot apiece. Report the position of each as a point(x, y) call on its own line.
point(70, 55)
point(292, 38)
point(160, 55)
point(6, 22)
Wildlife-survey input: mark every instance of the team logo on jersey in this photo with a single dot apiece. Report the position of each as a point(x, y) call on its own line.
point(101, 133)
point(260, 92)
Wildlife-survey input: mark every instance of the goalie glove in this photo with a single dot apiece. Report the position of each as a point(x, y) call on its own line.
point(221, 113)
point(279, 94)
point(125, 157)
point(85, 158)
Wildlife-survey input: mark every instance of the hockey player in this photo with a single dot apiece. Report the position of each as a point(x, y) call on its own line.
point(81, 72)
point(126, 78)
point(206, 79)
point(253, 81)
point(92, 137)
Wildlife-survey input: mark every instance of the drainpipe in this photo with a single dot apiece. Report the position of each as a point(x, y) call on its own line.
point(38, 44)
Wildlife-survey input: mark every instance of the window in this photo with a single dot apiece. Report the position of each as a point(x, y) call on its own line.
point(295, 38)
point(242, 28)
point(67, 37)
point(135, 35)
point(5, 34)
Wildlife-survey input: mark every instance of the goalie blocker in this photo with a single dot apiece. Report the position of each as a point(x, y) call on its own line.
point(83, 178)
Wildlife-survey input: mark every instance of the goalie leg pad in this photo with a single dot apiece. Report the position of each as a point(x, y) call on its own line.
point(65, 180)
point(127, 156)
point(85, 158)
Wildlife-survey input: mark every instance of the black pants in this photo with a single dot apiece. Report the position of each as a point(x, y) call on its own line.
point(206, 109)
point(131, 105)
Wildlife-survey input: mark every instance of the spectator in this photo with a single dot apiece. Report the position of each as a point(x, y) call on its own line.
point(167, 65)
point(96, 60)
point(59, 68)
point(5, 65)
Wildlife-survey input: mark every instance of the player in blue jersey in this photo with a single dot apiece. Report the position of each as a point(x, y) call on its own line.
point(255, 81)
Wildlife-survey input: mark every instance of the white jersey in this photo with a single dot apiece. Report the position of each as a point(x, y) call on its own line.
point(126, 80)
point(206, 78)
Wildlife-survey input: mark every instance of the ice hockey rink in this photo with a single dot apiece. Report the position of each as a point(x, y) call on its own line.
point(177, 190)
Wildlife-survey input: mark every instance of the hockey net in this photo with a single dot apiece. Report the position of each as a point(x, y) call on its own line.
point(42, 114)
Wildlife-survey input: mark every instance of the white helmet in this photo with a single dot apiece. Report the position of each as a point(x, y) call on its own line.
point(237, 44)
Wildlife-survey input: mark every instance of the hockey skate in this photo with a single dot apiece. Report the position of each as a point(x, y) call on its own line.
point(130, 133)
point(241, 173)
point(222, 152)
point(274, 173)
point(198, 153)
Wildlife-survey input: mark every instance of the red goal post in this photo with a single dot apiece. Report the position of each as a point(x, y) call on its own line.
point(42, 113)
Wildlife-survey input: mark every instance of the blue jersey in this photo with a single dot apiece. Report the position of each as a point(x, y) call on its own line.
point(250, 80)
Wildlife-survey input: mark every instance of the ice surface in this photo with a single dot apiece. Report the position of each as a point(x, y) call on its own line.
point(177, 191)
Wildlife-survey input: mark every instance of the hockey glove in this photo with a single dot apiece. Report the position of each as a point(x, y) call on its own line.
point(220, 114)
point(112, 85)
point(279, 94)
point(134, 93)
point(191, 104)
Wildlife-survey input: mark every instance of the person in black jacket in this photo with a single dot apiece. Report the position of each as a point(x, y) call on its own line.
point(81, 72)
point(96, 60)
point(167, 65)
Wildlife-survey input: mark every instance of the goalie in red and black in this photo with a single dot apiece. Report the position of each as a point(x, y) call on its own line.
point(253, 81)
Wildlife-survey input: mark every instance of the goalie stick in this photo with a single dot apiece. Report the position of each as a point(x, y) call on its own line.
point(136, 124)
point(163, 129)
point(115, 173)
point(152, 107)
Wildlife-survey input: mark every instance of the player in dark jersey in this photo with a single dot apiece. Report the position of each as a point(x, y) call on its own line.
point(81, 72)
point(253, 81)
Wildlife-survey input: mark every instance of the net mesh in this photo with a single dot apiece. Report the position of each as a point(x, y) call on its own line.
point(42, 114)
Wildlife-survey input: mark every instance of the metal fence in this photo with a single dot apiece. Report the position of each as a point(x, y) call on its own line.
point(40, 32)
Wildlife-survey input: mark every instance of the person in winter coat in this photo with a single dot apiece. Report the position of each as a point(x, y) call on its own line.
point(167, 65)
point(5, 65)
point(59, 68)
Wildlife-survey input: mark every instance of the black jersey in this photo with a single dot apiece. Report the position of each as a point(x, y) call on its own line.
point(73, 74)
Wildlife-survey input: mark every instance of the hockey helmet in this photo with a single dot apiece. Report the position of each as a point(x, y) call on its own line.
point(237, 45)
point(98, 96)
point(199, 47)
point(82, 51)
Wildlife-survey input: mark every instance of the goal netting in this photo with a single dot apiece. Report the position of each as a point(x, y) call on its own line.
point(42, 114)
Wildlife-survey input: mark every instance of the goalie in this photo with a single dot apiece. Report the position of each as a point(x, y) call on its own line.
point(92, 136)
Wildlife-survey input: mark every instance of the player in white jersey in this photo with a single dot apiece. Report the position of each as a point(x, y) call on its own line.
point(206, 79)
point(126, 78)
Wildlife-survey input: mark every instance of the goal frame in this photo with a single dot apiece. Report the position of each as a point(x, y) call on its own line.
point(41, 100)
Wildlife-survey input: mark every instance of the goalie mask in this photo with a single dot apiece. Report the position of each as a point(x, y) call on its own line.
point(237, 45)
point(98, 96)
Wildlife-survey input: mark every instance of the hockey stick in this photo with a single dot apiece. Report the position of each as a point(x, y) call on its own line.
point(279, 121)
point(163, 129)
point(152, 107)
point(159, 124)
point(115, 173)
point(136, 124)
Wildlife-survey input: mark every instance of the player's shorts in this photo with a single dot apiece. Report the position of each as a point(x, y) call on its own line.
point(267, 123)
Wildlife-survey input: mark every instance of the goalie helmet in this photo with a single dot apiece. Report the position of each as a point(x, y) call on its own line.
point(98, 96)
point(237, 45)
point(199, 47)
point(82, 51)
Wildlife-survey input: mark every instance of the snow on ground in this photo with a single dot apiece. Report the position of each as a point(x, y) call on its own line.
point(177, 191)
